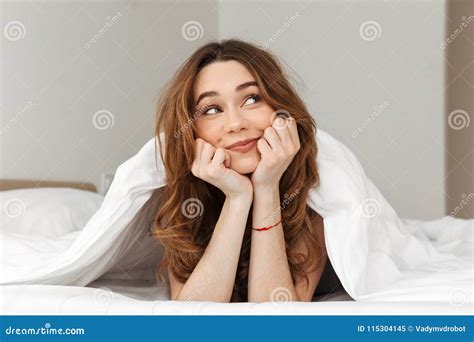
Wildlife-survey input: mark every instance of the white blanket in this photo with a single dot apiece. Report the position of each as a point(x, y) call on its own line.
point(376, 255)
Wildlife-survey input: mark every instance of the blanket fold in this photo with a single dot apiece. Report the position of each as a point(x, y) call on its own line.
point(376, 254)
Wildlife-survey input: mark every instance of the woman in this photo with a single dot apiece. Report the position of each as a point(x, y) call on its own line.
point(240, 146)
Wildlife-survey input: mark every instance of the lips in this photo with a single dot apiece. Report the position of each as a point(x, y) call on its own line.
point(243, 146)
point(242, 142)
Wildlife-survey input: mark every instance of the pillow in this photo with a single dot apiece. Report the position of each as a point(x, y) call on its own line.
point(49, 212)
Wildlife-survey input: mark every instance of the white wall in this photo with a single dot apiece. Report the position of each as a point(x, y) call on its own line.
point(55, 78)
point(400, 74)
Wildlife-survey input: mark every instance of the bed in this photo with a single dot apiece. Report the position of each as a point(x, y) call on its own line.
point(124, 295)
point(68, 250)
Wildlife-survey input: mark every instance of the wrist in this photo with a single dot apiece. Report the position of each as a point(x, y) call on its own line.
point(266, 190)
point(242, 198)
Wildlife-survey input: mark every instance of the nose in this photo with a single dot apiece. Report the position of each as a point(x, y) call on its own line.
point(234, 121)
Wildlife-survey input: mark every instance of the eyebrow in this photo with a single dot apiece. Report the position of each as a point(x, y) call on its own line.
point(215, 93)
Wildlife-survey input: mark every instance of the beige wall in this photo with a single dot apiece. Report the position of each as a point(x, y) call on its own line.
point(65, 61)
point(460, 108)
point(389, 90)
point(382, 94)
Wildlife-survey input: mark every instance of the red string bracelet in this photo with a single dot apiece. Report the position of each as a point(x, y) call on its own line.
point(266, 228)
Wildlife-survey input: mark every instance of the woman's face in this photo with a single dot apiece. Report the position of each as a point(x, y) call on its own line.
point(229, 110)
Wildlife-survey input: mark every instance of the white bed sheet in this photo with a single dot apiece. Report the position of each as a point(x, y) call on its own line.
point(118, 297)
point(388, 264)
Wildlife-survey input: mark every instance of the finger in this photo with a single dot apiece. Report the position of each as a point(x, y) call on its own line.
point(227, 158)
point(196, 147)
point(272, 138)
point(293, 128)
point(283, 131)
point(207, 154)
point(220, 157)
point(263, 147)
point(197, 155)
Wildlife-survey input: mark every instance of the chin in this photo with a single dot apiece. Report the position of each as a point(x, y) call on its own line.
point(246, 167)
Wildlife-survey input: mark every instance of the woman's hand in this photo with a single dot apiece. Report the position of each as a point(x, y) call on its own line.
point(211, 165)
point(277, 147)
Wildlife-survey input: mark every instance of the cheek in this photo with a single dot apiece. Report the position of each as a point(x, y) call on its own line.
point(265, 119)
point(207, 132)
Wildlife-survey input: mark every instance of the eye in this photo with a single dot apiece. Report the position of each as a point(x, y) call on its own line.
point(205, 110)
point(256, 98)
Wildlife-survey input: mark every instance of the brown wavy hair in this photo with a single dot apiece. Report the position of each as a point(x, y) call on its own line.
point(185, 239)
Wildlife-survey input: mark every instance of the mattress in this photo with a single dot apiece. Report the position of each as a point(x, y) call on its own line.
point(125, 297)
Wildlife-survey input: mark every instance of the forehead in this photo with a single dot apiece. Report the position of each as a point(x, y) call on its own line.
point(221, 75)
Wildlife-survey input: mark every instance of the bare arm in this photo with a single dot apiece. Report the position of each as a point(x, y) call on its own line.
point(213, 277)
point(269, 272)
